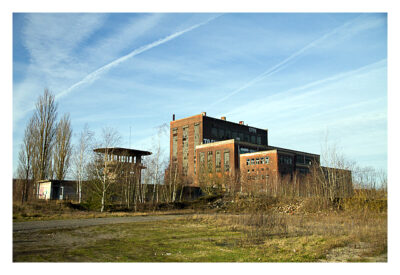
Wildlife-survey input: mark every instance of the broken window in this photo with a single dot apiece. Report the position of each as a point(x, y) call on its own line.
point(185, 149)
point(201, 162)
point(174, 146)
point(218, 161)
point(226, 160)
point(209, 161)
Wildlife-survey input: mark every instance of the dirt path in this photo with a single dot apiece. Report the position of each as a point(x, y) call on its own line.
point(74, 223)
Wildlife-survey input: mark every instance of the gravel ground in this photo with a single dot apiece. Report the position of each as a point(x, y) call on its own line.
point(74, 223)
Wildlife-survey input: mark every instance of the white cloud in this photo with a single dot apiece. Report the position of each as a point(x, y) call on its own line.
point(50, 38)
point(347, 29)
point(99, 72)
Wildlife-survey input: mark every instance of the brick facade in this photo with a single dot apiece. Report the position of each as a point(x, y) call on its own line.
point(201, 138)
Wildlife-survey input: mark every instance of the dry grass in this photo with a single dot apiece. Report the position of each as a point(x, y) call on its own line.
point(56, 210)
point(359, 233)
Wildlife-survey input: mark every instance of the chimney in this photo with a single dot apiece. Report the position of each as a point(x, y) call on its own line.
point(241, 122)
point(173, 117)
point(203, 113)
point(223, 117)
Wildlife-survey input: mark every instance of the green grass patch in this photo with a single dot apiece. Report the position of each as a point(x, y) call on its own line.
point(178, 240)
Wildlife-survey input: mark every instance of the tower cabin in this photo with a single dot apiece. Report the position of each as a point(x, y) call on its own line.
point(125, 161)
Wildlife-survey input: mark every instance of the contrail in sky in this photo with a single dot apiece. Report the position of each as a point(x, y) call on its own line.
point(97, 73)
point(281, 65)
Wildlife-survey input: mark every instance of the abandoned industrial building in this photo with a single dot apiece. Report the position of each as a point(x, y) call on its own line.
point(200, 144)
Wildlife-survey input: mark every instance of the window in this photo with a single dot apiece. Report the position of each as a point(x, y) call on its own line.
point(257, 160)
point(234, 135)
point(247, 138)
point(226, 160)
point(247, 161)
point(201, 161)
point(285, 160)
point(174, 143)
point(209, 161)
point(253, 139)
point(185, 149)
point(218, 161)
point(262, 160)
point(196, 135)
point(266, 160)
point(221, 133)
point(258, 140)
point(300, 159)
point(241, 136)
point(252, 161)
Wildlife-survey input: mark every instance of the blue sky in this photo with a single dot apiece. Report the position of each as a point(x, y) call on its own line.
point(301, 75)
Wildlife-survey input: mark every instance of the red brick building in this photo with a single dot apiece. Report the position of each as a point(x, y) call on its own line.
point(204, 145)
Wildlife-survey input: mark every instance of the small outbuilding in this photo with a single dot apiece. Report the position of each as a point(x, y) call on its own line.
point(57, 189)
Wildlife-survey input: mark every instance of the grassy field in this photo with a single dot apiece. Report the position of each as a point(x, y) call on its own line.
point(268, 237)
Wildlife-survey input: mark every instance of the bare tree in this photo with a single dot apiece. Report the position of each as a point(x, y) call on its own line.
point(62, 148)
point(156, 163)
point(25, 158)
point(104, 170)
point(80, 157)
point(45, 127)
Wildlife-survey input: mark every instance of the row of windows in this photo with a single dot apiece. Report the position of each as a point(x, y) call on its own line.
point(220, 133)
point(301, 159)
point(217, 161)
point(254, 161)
point(257, 170)
point(285, 160)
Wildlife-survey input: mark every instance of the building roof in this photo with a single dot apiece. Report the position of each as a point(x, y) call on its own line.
point(291, 151)
point(122, 151)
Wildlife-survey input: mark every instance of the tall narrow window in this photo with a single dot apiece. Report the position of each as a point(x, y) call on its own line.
point(196, 142)
point(196, 135)
point(218, 161)
point(258, 140)
point(185, 149)
point(226, 161)
point(209, 161)
point(202, 164)
point(174, 144)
